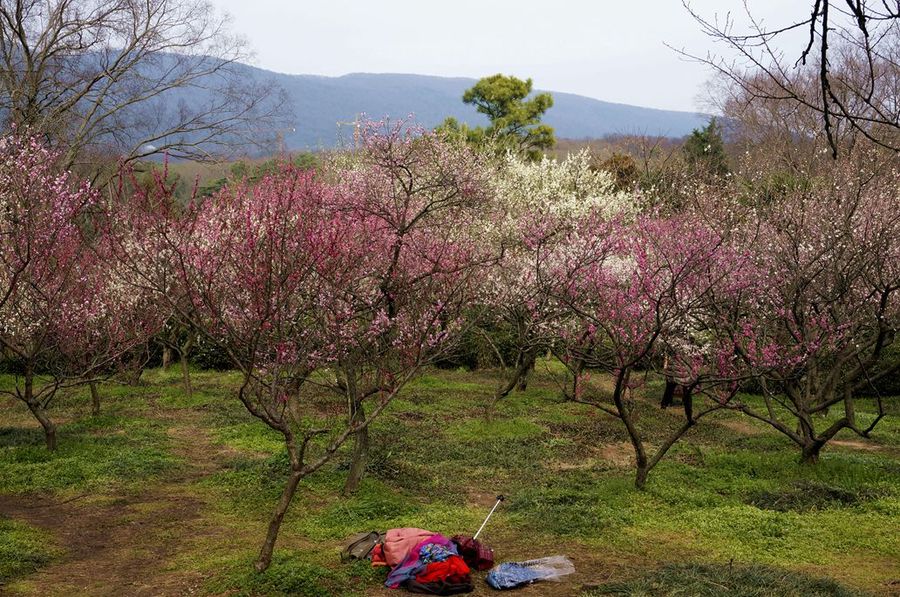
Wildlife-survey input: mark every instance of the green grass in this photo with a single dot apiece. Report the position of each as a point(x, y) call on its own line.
point(804, 496)
point(93, 452)
point(730, 502)
point(714, 581)
point(494, 430)
point(291, 573)
point(250, 436)
point(23, 549)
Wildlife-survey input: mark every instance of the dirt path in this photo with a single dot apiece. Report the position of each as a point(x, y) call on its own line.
point(121, 544)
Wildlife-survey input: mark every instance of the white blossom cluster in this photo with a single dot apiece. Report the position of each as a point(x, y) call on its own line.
point(567, 188)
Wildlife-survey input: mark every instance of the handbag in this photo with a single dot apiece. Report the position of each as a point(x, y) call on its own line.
point(476, 554)
point(360, 545)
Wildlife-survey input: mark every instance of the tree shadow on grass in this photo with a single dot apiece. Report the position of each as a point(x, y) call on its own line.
point(11, 437)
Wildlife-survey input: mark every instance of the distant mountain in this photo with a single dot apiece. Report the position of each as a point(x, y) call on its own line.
point(320, 103)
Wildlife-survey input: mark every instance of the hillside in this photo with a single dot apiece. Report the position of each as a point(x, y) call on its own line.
point(320, 103)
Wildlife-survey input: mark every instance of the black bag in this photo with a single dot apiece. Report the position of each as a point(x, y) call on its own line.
point(360, 545)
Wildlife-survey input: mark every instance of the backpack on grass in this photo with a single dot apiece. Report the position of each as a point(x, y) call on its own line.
point(360, 545)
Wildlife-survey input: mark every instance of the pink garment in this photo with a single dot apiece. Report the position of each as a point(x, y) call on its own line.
point(398, 542)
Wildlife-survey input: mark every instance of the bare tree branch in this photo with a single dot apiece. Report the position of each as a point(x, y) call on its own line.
point(127, 79)
point(852, 51)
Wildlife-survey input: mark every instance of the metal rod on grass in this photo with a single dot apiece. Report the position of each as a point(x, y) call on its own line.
point(500, 498)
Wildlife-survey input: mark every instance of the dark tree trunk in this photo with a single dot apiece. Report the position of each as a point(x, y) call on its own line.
point(529, 363)
point(360, 447)
point(513, 382)
point(811, 451)
point(268, 546)
point(811, 445)
point(687, 400)
point(640, 478)
point(668, 394)
point(39, 412)
point(134, 373)
point(166, 357)
point(48, 426)
point(95, 398)
point(577, 368)
point(186, 374)
point(641, 462)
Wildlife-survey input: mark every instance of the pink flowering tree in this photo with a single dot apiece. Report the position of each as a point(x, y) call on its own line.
point(317, 285)
point(519, 296)
point(244, 269)
point(638, 291)
point(816, 333)
point(415, 200)
point(143, 220)
point(64, 319)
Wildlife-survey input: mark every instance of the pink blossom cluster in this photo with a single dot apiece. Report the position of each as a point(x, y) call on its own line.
point(62, 308)
point(364, 265)
point(645, 291)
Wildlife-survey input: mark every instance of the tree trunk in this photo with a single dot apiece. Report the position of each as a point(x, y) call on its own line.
point(268, 546)
point(668, 398)
point(38, 411)
point(577, 368)
point(48, 425)
point(513, 382)
point(641, 462)
point(95, 398)
point(360, 451)
point(811, 445)
point(811, 450)
point(186, 374)
point(687, 400)
point(133, 375)
point(166, 357)
point(640, 478)
point(529, 363)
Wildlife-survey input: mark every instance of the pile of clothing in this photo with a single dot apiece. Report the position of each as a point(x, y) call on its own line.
point(432, 566)
point(422, 561)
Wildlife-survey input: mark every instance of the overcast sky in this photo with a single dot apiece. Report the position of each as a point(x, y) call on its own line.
point(606, 49)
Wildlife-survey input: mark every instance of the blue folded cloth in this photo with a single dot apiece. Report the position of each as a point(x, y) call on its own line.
point(510, 575)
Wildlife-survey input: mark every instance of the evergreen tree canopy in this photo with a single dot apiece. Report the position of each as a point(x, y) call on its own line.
point(515, 121)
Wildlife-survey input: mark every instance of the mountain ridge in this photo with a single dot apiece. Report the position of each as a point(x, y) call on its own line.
point(320, 102)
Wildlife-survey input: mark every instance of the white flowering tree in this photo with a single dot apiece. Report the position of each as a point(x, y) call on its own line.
point(537, 205)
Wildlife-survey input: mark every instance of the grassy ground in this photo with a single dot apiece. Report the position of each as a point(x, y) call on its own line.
point(169, 495)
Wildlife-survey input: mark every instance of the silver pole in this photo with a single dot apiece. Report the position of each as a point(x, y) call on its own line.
point(500, 498)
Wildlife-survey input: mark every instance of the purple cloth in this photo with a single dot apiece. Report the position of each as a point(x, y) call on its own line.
point(414, 563)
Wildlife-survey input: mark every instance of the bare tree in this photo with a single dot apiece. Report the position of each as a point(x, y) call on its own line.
point(847, 73)
point(130, 78)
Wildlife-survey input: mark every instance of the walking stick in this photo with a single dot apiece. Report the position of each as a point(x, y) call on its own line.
point(500, 498)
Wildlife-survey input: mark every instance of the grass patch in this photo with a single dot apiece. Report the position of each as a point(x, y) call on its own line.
point(92, 452)
point(803, 496)
point(249, 484)
point(293, 574)
point(251, 436)
point(477, 430)
point(708, 580)
point(23, 549)
point(732, 490)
